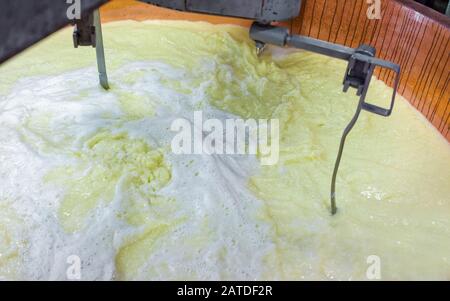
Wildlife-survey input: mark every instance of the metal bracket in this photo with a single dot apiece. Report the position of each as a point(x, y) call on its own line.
point(88, 32)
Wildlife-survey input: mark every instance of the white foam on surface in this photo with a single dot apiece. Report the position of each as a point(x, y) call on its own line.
point(211, 188)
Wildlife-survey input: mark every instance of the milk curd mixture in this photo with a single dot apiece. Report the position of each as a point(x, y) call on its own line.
point(90, 173)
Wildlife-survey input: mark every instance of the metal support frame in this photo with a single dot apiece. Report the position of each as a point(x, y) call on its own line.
point(362, 63)
point(24, 22)
point(265, 11)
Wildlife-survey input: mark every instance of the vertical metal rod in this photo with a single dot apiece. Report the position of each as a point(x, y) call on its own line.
point(101, 65)
point(347, 130)
point(339, 156)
